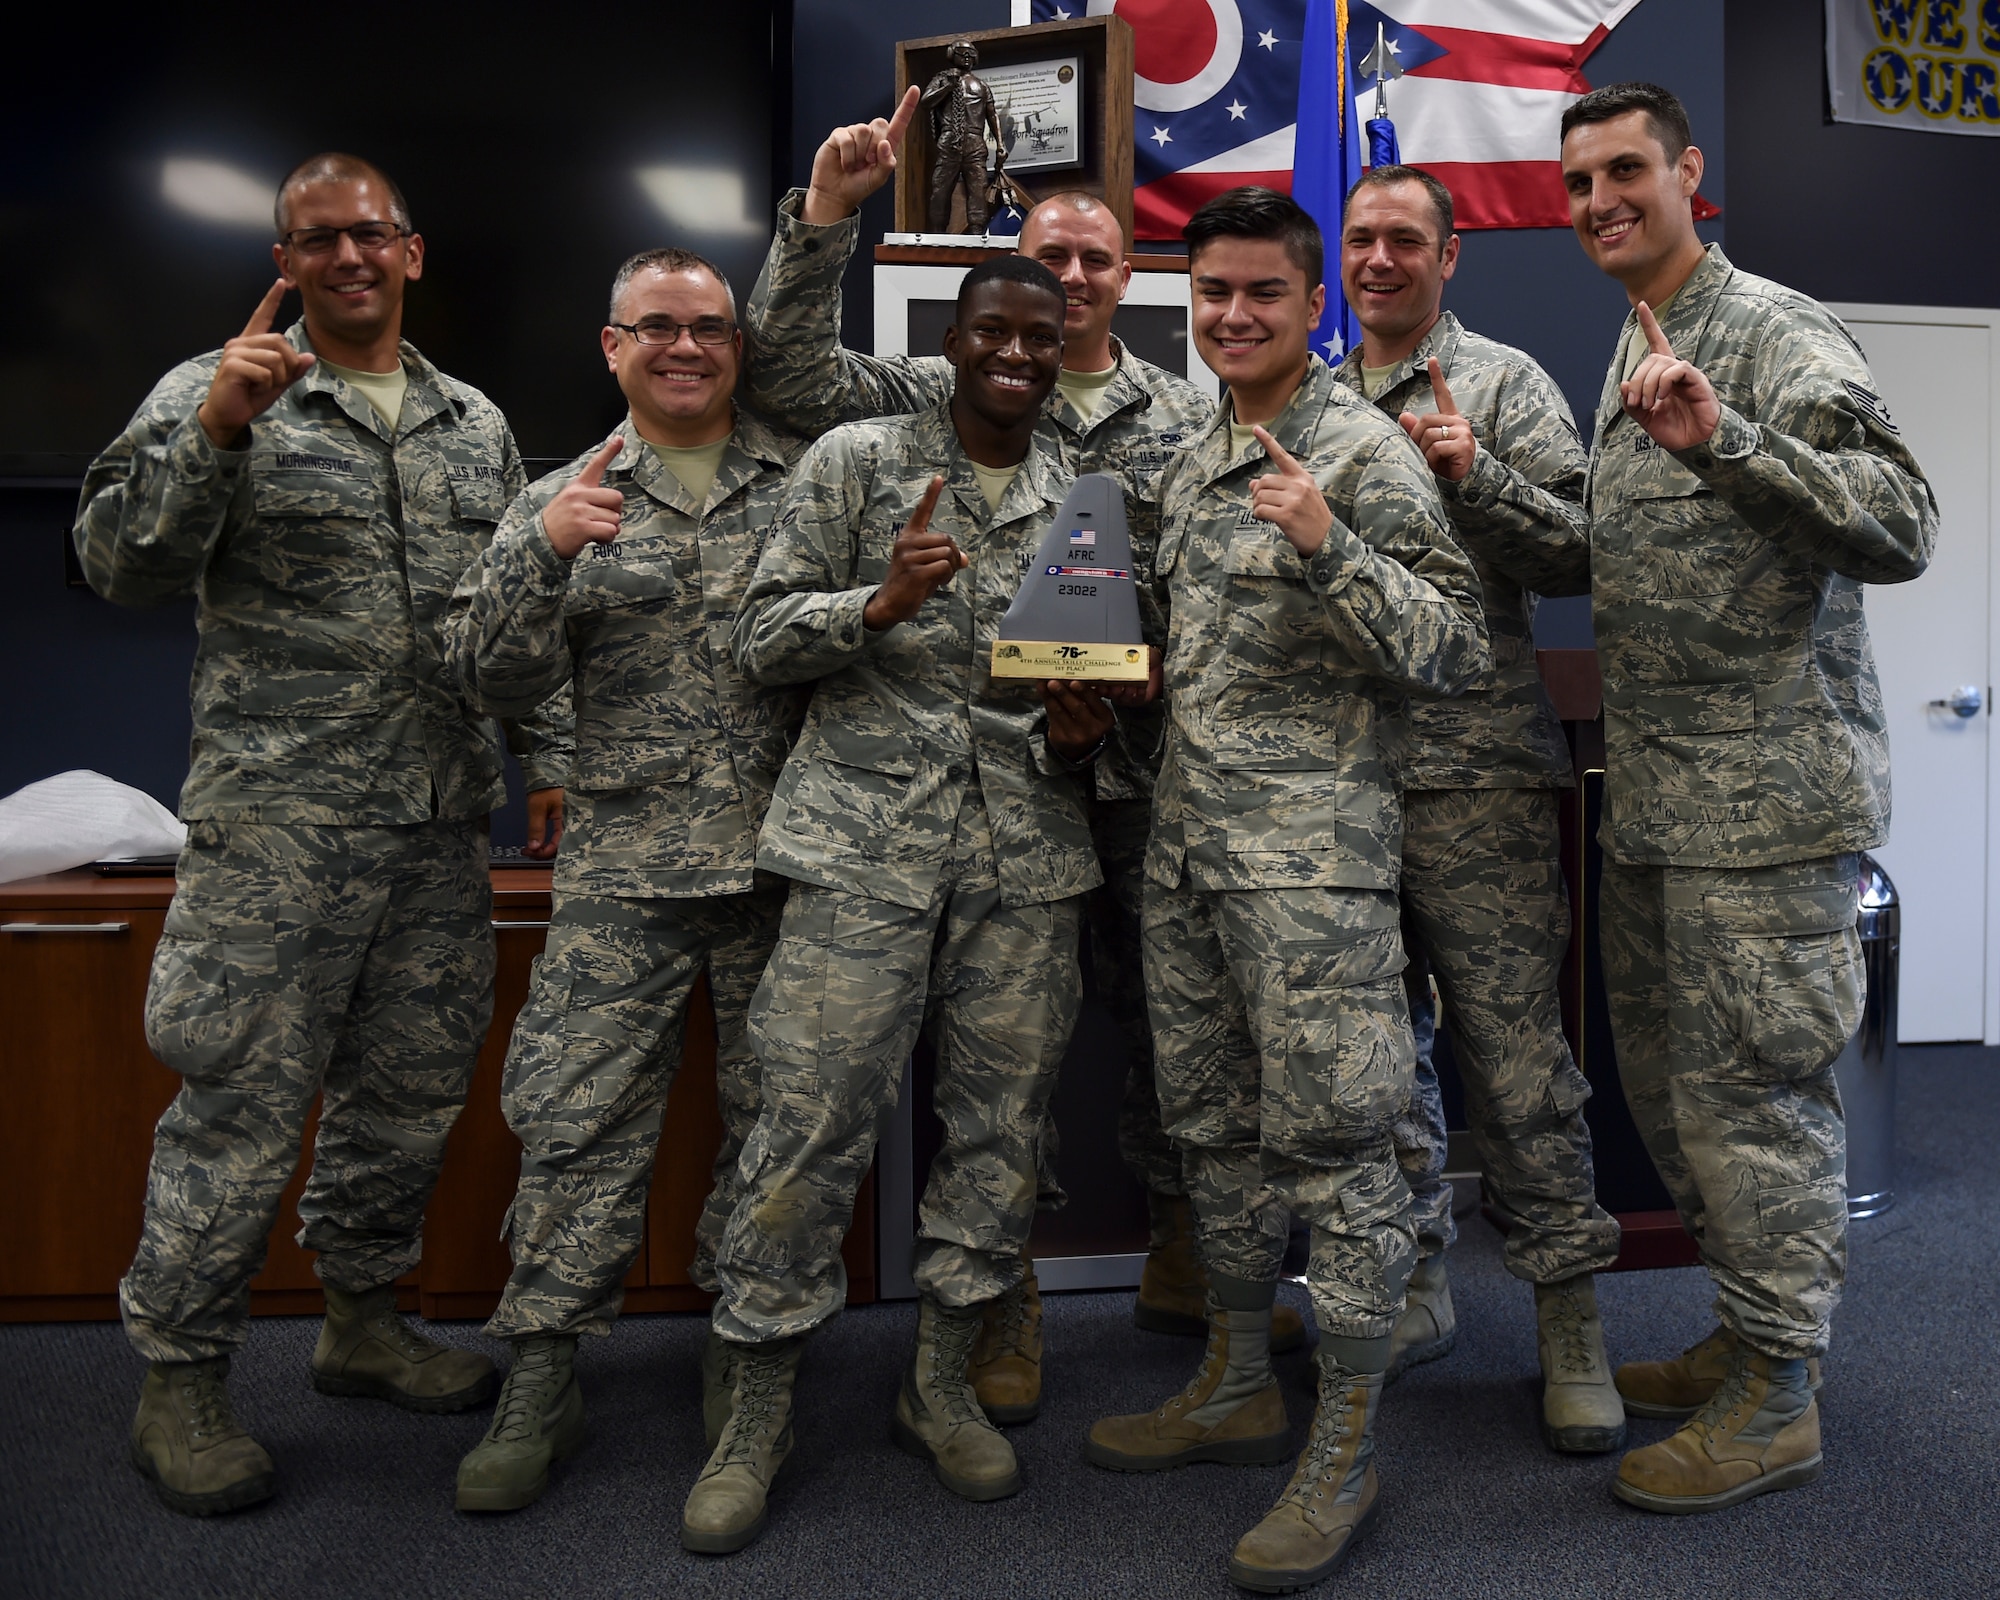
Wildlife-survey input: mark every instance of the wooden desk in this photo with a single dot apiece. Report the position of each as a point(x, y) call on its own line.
point(82, 1093)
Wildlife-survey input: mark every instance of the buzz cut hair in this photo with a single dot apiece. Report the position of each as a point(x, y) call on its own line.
point(1254, 212)
point(671, 259)
point(1010, 268)
point(1388, 177)
point(336, 166)
point(1665, 114)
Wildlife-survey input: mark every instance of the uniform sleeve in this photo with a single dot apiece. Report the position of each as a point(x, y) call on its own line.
point(797, 371)
point(1827, 475)
point(1520, 508)
point(1398, 593)
point(800, 619)
point(157, 502)
point(504, 634)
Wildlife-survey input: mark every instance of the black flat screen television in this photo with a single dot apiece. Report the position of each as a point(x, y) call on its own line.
point(538, 149)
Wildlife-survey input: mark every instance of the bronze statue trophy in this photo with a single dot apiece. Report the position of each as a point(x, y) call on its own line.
point(962, 110)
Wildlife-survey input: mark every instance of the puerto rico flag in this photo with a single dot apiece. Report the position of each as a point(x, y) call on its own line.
point(1485, 86)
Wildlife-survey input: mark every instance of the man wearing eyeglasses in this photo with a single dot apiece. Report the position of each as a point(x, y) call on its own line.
point(319, 491)
point(620, 576)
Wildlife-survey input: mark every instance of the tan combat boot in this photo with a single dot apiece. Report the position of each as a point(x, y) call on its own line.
point(1006, 1365)
point(1333, 1493)
point(1675, 1390)
point(1428, 1327)
point(537, 1420)
point(185, 1437)
point(1581, 1411)
point(730, 1502)
point(1173, 1285)
point(1231, 1412)
point(937, 1414)
point(1759, 1432)
point(719, 1361)
point(366, 1348)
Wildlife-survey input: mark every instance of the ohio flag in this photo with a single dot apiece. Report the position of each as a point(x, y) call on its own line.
point(1217, 96)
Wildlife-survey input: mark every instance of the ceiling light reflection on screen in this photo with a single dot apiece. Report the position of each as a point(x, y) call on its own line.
point(214, 191)
point(710, 200)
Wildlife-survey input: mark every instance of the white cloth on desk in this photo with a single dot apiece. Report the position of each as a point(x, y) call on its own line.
point(78, 817)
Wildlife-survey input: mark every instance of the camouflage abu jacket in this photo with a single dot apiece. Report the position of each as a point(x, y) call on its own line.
point(676, 752)
point(798, 371)
point(903, 722)
point(1743, 720)
point(1525, 489)
point(322, 558)
point(1283, 670)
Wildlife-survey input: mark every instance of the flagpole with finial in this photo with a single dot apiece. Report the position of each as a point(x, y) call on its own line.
point(1381, 64)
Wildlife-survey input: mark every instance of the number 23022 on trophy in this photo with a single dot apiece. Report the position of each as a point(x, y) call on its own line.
point(1077, 612)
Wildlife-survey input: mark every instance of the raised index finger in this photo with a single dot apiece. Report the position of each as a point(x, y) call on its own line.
point(899, 124)
point(1279, 457)
point(1446, 405)
point(266, 312)
point(593, 471)
point(1656, 341)
point(920, 519)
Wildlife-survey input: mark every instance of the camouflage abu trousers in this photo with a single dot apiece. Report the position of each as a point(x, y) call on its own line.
point(832, 1024)
point(298, 960)
point(1282, 1040)
point(594, 1054)
point(1485, 912)
point(1732, 991)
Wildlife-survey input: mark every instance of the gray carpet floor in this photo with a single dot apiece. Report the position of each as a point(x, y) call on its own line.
point(1473, 1504)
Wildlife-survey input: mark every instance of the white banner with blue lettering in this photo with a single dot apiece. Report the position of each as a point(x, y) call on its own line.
point(1932, 65)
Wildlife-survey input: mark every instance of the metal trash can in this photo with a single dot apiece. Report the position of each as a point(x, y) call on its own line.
point(1866, 1069)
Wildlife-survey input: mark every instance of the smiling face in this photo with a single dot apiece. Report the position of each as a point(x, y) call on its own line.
point(1393, 266)
point(1630, 204)
point(1007, 347)
point(1086, 252)
point(679, 392)
point(353, 297)
point(1252, 312)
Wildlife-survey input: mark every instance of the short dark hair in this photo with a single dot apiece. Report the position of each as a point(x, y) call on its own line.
point(667, 260)
point(1010, 269)
point(334, 166)
point(1665, 114)
point(1254, 212)
point(1387, 177)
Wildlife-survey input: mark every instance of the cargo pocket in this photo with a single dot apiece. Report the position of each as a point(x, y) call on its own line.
point(181, 1212)
point(1787, 972)
point(214, 996)
point(634, 803)
point(1695, 755)
point(1349, 1058)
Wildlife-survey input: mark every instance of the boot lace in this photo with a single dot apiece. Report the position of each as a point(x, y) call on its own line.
point(1729, 1396)
point(1192, 1396)
point(534, 1378)
point(205, 1394)
point(1325, 1455)
point(1009, 1326)
point(1572, 1349)
point(759, 1381)
point(952, 1333)
point(388, 1325)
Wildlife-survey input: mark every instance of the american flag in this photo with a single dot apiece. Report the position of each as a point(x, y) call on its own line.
point(1485, 86)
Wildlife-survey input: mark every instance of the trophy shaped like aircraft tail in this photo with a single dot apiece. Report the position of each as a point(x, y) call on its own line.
point(1077, 613)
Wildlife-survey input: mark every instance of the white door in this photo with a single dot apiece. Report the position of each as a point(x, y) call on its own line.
point(1932, 639)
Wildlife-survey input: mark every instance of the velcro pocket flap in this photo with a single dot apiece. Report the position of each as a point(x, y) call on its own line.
point(1661, 477)
point(628, 764)
point(1260, 551)
point(1338, 963)
point(310, 694)
point(1783, 913)
point(478, 499)
point(870, 750)
point(1693, 708)
point(334, 486)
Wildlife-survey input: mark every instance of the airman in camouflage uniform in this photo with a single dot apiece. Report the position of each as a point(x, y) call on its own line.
point(1745, 481)
point(1273, 946)
point(939, 852)
point(676, 757)
point(1484, 902)
point(1129, 427)
point(331, 927)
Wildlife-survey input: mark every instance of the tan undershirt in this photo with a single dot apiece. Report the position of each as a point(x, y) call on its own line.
point(1375, 379)
point(993, 482)
point(695, 466)
point(1085, 391)
point(382, 390)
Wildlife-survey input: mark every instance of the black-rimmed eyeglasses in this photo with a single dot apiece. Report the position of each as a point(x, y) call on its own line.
point(664, 330)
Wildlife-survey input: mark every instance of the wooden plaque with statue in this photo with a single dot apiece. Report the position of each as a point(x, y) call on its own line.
point(1057, 95)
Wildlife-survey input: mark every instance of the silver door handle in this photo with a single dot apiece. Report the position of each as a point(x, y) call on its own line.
point(1964, 701)
point(65, 927)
